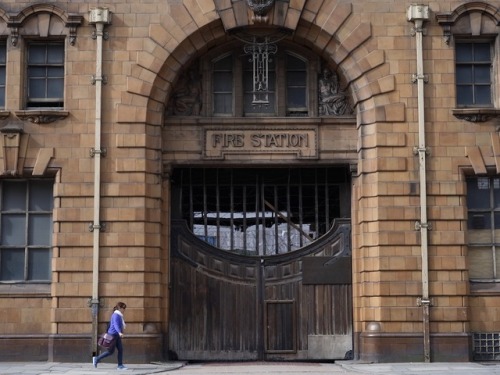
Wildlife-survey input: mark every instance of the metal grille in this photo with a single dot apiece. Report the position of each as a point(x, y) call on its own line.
point(261, 211)
point(486, 346)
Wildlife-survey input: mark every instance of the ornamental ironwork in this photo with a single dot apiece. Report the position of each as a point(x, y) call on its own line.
point(260, 57)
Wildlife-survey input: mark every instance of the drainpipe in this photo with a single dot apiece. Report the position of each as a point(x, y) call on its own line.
point(98, 17)
point(418, 14)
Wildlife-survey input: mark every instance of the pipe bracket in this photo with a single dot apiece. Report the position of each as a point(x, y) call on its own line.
point(415, 77)
point(94, 301)
point(101, 152)
point(105, 35)
point(419, 225)
point(418, 150)
point(101, 227)
point(424, 301)
point(415, 30)
point(94, 79)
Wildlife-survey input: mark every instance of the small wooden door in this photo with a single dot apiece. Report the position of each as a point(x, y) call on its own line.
point(225, 306)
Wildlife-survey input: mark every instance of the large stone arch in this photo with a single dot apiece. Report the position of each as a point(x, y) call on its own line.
point(332, 30)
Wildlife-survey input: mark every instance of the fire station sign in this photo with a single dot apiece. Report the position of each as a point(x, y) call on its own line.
point(223, 143)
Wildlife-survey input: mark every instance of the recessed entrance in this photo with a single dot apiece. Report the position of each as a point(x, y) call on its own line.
point(241, 244)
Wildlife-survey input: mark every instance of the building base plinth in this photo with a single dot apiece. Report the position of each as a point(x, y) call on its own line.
point(394, 347)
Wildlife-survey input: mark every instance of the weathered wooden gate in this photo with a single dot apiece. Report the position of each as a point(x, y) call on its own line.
point(226, 306)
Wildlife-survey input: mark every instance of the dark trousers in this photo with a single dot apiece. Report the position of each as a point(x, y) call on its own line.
point(118, 346)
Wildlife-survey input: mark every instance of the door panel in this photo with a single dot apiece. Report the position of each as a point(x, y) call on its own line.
point(280, 327)
point(226, 306)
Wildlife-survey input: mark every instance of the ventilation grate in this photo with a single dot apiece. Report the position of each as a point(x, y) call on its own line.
point(486, 346)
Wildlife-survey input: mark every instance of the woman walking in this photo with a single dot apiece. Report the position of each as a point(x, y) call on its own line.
point(116, 327)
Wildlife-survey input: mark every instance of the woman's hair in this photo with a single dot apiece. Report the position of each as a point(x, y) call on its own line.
point(120, 305)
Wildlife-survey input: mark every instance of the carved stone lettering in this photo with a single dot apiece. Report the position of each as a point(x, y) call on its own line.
point(221, 143)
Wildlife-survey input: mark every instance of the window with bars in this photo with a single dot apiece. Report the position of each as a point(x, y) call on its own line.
point(483, 224)
point(473, 73)
point(45, 75)
point(261, 211)
point(25, 230)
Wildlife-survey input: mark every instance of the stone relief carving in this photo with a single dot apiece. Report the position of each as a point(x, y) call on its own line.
point(260, 7)
point(186, 97)
point(332, 100)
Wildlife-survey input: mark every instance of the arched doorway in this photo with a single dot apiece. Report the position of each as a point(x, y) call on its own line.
point(261, 265)
point(259, 137)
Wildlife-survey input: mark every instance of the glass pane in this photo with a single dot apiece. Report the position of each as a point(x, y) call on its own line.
point(482, 95)
point(55, 54)
point(296, 79)
point(37, 72)
point(225, 63)
point(41, 196)
point(482, 74)
point(496, 192)
point(294, 63)
point(296, 97)
point(464, 51)
point(39, 264)
point(223, 103)
point(223, 81)
point(478, 237)
point(2, 97)
point(480, 263)
point(482, 52)
point(37, 88)
point(464, 95)
point(3, 53)
point(2, 75)
point(13, 230)
point(478, 192)
point(55, 72)
point(55, 88)
point(12, 264)
point(36, 54)
point(39, 230)
point(464, 74)
point(14, 196)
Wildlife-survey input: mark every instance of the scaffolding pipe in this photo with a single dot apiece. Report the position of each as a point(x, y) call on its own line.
point(99, 17)
point(418, 14)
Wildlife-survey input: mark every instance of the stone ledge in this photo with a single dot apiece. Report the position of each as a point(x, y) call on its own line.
point(476, 114)
point(41, 116)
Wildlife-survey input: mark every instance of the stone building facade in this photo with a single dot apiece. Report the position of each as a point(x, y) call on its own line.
point(269, 180)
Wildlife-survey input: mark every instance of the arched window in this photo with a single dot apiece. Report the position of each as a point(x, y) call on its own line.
point(255, 80)
point(255, 86)
point(472, 30)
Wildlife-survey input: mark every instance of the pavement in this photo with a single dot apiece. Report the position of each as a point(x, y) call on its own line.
point(260, 368)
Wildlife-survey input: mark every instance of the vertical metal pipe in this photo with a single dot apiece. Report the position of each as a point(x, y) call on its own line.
point(418, 14)
point(99, 17)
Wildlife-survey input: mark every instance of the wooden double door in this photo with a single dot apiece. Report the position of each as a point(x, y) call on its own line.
point(225, 306)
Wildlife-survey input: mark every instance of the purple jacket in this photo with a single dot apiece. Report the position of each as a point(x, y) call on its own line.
point(115, 324)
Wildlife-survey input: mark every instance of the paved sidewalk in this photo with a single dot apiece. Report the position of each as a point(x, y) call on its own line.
point(256, 368)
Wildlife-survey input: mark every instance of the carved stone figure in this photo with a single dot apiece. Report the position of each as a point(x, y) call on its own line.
point(186, 98)
point(332, 99)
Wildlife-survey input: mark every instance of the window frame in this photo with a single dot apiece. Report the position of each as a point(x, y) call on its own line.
point(473, 63)
point(47, 102)
point(3, 45)
point(27, 246)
